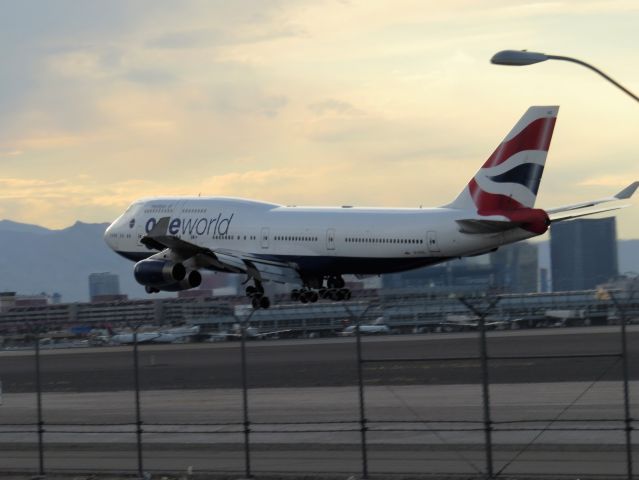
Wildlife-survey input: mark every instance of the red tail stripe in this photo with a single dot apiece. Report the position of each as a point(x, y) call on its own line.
point(536, 136)
point(533, 220)
point(487, 203)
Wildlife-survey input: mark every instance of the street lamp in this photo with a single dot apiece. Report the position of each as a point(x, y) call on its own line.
point(524, 57)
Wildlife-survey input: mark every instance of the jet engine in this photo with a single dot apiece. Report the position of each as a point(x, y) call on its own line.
point(158, 273)
point(192, 279)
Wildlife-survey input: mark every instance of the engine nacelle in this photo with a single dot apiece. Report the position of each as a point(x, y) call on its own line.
point(159, 273)
point(192, 280)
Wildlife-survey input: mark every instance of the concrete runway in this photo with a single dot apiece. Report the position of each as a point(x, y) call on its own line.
point(539, 428)
point(192, 409)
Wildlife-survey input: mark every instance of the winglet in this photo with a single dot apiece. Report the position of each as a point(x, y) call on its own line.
point(628, 191)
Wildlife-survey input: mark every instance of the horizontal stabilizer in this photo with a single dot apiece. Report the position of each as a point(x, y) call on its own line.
point(559, 218)
point(624, 194)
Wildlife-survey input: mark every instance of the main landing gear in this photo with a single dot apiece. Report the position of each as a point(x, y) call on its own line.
point(312, 291)
point(333, 291)
point(256, 294)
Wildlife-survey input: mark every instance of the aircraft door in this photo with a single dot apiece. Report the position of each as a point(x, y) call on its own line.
point(431, 237)
point(264, 237)
point(330, 239)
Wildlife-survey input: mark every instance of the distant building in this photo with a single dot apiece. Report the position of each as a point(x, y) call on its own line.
point(7, 301)
point(195, 293)
point(544, 281)
point(473, 274)
point(516, 268)
point(109, 298)
point(583, 253)
point(103, 284)
point(32, 300)
point(512, 268)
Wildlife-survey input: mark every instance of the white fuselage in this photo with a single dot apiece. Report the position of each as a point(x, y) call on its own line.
point(325, 241)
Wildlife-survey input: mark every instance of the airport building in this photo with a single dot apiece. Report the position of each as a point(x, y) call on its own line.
point(103, 285)
point(511, 269)
point(583, 253)
point(516, 268)
point(403, 310)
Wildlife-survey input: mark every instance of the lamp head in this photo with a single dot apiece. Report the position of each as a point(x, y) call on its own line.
point(518, 57)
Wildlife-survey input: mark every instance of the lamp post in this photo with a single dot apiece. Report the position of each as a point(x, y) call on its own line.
point(523, 57)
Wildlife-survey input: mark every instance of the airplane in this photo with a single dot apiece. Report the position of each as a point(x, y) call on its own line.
point(378, 329)
point(128, 338)
point(173, 238)
point(252, 333)
point(171, 335)
point(454, 322)
point(177, 334)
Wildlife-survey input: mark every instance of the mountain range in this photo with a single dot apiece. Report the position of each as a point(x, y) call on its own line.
point(35, 259)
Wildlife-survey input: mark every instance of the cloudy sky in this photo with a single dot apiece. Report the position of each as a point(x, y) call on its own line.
point(364, 102)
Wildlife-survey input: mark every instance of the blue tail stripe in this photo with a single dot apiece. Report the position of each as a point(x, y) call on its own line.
point(527, 174)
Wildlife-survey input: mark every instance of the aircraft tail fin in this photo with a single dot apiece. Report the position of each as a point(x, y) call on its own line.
point(510, 178)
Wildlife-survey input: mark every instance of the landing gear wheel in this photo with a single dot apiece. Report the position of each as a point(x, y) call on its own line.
point(265, 302)
point(295, 295)
point(151, 290)
point(256, 302)
point(313, 296)
point(304, 297)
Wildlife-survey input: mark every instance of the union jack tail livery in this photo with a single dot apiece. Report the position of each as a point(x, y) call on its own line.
point(509, 179)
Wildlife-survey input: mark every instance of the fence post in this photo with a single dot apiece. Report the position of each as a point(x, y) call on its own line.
point(488, 426)
point(247, 424)
point(626, 392)
point(360, 384)
point(138, 410)
point(362, 411)
point(39, 403)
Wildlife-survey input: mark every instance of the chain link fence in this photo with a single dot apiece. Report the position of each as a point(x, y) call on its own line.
point(231, 425)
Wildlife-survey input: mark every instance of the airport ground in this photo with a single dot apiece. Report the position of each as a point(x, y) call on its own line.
point(191, 407)
point(326, 362)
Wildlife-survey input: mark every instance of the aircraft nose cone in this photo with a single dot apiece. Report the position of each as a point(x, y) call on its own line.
point(109, 237)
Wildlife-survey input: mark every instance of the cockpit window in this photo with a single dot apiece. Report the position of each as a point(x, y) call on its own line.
point(130, 207)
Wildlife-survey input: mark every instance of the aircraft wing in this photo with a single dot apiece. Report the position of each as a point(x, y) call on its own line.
point(565, 212)
point(233, 261)
point(258, 267)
